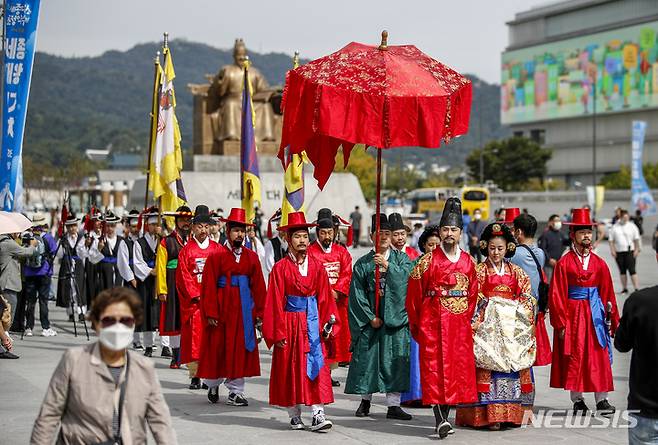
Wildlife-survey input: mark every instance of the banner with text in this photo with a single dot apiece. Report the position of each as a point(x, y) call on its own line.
point(21, 24)
point(640, 193)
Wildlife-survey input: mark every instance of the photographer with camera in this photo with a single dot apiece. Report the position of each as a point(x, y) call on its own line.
point(10, 274)
point(38, 273)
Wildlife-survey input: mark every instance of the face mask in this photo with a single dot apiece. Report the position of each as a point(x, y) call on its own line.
point(557, 225)
point(116, 337)
point(477, 216)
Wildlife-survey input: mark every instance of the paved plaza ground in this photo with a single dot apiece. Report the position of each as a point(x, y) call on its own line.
point(24, 381)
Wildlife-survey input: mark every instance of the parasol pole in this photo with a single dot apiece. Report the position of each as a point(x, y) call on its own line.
point(382, 47)
point(377, 226)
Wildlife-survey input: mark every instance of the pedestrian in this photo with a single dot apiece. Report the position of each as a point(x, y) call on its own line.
point(297, 320)
point(38, 272)
point(191, 263)
point(276, 247)
point(581, 303)
point(473, 231)
point(108, 246)
point(166, 262)
point(553, 242)
point(399, 234)
point(531, 259)
point(144, 266)
point(6, 342)
point(337, 261)
point(379, 325)
point(71, 285)
point(428, 241)
point(102, 392)
point(355, 219)
point(504, 340)
point(441, 298)
point(10, 267)
point(232, 301)
point(637, 331)
point(126, 258)
point(93, 226)
point(624, 239)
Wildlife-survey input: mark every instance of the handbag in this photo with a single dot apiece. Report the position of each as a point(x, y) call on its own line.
point(116, 440)
point(542, 290)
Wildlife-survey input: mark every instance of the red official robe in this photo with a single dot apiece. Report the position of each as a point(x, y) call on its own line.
point(579, 362)
point(338, 264)
point(191, 262)
point(289, 382)
point(441, 300)
point(411, 252)
point(226, 355)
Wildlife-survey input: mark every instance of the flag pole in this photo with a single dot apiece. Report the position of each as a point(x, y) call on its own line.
point(154, 122)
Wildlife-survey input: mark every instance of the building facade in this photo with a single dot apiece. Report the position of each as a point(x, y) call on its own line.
point(575, 75)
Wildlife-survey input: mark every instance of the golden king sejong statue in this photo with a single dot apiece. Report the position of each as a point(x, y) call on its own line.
point(225, 99)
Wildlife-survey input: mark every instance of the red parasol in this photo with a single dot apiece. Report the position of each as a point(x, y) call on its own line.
point(381, 96)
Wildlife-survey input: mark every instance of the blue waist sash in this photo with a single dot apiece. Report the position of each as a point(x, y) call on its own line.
point(151, 264)
point(598, 314)
point(314, 358)
point(247, 303)
point(109, 260)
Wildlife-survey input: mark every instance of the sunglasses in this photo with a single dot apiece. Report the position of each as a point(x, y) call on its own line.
point(106, 322)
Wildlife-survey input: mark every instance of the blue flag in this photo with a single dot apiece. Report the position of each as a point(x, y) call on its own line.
point(21, 24)
point(640, 192)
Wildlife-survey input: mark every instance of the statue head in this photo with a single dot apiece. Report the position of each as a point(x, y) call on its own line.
point(239, 52)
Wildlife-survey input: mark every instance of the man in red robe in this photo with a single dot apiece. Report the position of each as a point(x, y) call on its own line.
point(191, 262)
point(233, 299)
point(399, 235)
point(337, 261)
point(441, 298)
point(583, 310)
point(299, 314)
point(166, 262)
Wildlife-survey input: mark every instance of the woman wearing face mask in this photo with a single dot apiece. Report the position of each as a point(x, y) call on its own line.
point(102, 393)
point(503, 339)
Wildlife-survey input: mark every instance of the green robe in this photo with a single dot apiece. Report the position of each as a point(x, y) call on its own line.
point(380, 357)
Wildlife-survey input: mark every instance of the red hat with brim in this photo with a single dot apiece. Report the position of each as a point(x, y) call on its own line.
point(237, 216)
point(511, 214)
point(296, 221)
point(580, 217)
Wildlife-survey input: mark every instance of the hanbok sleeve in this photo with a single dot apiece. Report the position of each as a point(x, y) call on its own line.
point(397, 276)
point(342, 286)
point(558, 294)
point(415, 292)
point(257, 286)
point(360, 310)
point(274, 320)
point(210, 304)
point(608, 297)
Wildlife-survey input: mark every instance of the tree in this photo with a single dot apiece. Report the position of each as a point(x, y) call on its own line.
point(622, 179)
point(363, 166)
point(510, 163)
point(399, 179)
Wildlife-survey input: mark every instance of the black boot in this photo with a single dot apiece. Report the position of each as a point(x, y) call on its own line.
point(148, 351)
point(579, 407)
point(174, 358)
point(442, 427)
point(166, 352)
point(364, 408)
point(335, 383)
point(195, 383)
point(395, 412)
point(213, 394)
point(604, 408)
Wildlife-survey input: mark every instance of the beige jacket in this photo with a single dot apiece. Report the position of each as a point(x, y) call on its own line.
point(82, 395)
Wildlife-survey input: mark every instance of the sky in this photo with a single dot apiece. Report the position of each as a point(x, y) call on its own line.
point(468, 35)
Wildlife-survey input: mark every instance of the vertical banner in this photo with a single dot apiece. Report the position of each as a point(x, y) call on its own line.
point(21, 19)
point(641, 197)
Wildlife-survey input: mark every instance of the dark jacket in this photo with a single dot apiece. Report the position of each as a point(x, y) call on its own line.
point(638, 330)
point(553, 243)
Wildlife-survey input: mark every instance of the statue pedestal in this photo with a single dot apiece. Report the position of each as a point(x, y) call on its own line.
point(232, 148)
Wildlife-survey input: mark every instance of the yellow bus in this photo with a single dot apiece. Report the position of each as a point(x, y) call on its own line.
point(476, 198)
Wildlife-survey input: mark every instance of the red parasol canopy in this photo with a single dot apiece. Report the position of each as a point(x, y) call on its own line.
point(382, 96)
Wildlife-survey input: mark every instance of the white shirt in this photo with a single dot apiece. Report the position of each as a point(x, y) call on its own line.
point(453, 258)
point(624, 236)
point(123, 259)
point(142, 270)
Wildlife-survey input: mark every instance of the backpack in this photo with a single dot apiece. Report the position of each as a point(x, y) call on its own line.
point(542, 289)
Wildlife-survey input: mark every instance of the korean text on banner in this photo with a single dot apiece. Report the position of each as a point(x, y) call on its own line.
point(21, 36)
